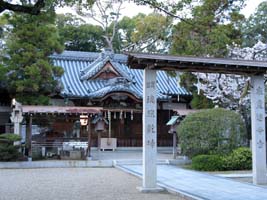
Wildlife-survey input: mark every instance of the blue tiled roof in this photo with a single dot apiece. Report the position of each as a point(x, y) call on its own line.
point(80, 66)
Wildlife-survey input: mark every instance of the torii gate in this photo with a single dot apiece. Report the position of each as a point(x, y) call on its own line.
point(152, 62)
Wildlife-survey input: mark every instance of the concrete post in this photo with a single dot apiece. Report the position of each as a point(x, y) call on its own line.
point(149, 132)
point(258, 130)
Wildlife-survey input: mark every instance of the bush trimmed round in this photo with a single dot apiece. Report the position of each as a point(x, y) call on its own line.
point(211, 131)
point(239, 159)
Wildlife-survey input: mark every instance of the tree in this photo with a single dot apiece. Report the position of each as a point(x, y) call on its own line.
point(255, 27)
point(31, 76)
point(213, 27)
point(106, 14)
point(9, 151)
point(35, 7)
point(145, 33)
point(79, 36)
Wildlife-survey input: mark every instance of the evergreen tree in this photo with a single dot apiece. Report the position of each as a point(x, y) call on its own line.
point(31, 76)
point(213, 26)
point(254, 28)
point(79, 36)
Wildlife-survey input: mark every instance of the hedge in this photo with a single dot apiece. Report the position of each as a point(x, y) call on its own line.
point(239, 159)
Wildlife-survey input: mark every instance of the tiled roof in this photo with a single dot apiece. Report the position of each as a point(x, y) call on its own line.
point(80, 66)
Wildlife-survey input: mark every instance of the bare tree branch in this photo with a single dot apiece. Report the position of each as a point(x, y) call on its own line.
point(166, 11)
point(116, 22)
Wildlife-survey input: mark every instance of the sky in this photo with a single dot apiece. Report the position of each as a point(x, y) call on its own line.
point(251, 7)
point(131, 9)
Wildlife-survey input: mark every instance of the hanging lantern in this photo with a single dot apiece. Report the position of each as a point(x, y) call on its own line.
point(121, 115)
point(99, 122)
point(100, 125)
point(84, 120)
point(114, 115)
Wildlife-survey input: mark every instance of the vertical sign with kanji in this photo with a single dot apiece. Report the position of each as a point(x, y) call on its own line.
point(258, 130)
point(149, 130)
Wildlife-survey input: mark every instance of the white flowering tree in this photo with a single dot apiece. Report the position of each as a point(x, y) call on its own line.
point(232, 91)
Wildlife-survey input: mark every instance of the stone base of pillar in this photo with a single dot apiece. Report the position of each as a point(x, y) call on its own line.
point(150, 190)
point(89, 158)
point(29, 159)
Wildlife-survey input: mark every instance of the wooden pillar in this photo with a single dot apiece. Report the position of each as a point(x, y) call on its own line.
point(109, 124)
point(149, 132)
point(258, 130)
point(29, 137)
point(174, 150)
point(89, 132)
point(98, 140)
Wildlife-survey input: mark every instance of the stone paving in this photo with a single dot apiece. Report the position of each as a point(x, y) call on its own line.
point(73, 184)
point(201, 185)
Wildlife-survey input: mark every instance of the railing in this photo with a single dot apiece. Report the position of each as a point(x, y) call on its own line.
point(58, 142)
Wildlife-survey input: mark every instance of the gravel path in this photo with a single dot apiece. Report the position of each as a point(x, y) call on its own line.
point(72, 184)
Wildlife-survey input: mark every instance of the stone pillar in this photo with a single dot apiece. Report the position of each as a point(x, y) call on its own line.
point(149, 132)
point(258, 130)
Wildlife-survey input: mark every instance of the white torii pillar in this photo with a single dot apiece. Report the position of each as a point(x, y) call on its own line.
point(258, 130)
point(149, 132)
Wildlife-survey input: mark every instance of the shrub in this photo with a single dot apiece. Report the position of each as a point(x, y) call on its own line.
point(9, 137)
point(9, 151)
point(211, 131)
point(239, 159)
point(207, 163)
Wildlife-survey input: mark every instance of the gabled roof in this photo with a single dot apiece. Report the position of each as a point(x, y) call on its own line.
point(98, 64)
point(115, 87)
point(73, 62)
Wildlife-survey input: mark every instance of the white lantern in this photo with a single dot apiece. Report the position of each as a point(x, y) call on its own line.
point(83, 120)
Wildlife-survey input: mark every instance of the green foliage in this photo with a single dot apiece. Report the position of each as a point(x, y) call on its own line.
point(213, 26)
point(200, 101)
point(216, 131)
point(206, 33)
point(8, 151)
point(239, 159)
point(254, 28)
point(9, 137)
point(31, 75)
point(149, 30)
point(78, 36)
point(207, 163)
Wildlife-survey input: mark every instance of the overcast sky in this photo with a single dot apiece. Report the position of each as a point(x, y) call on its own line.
point(131, 9)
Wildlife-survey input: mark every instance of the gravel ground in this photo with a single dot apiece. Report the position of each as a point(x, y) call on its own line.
point(72, 184)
